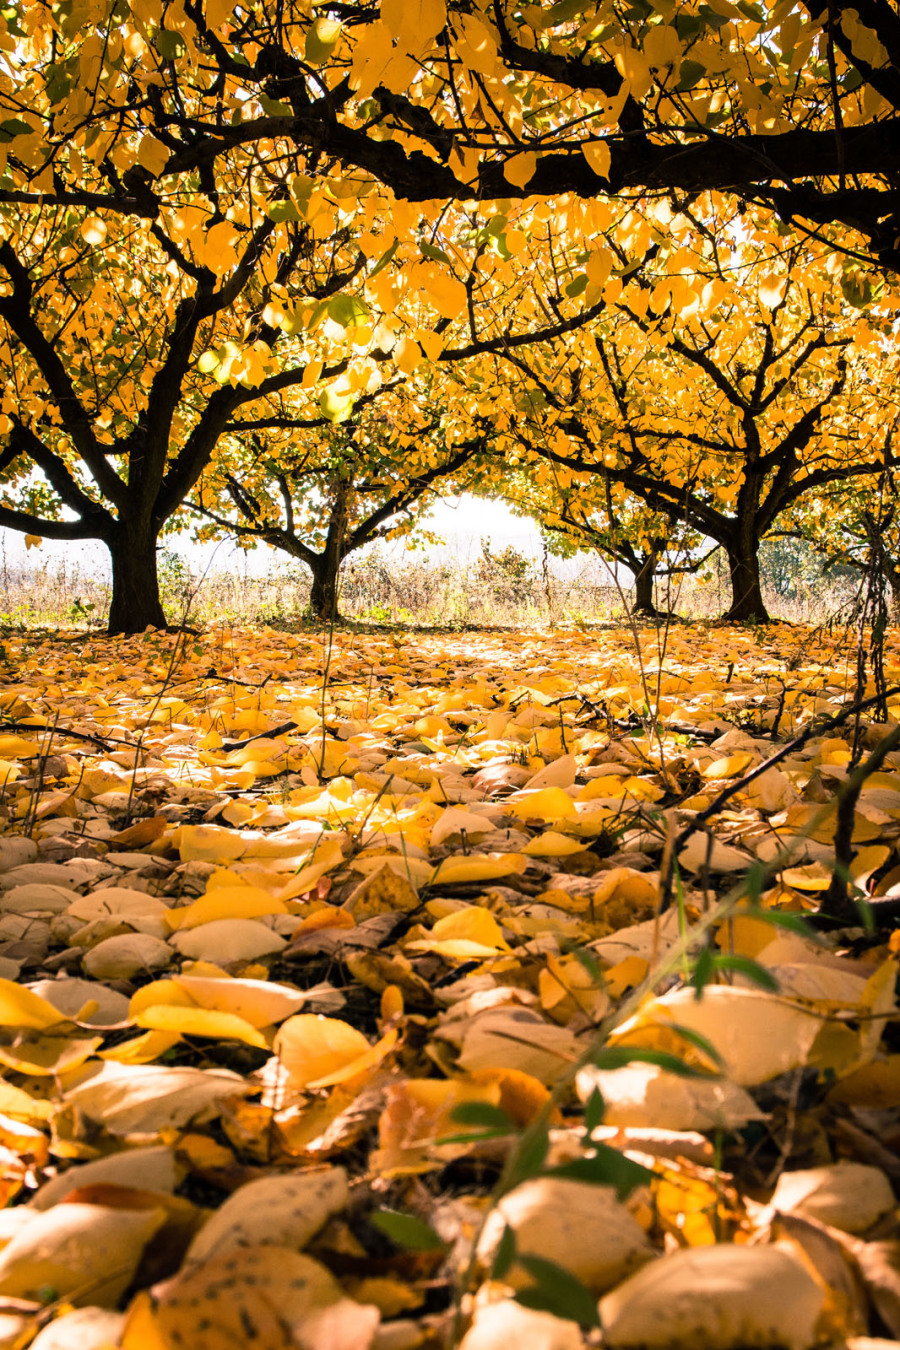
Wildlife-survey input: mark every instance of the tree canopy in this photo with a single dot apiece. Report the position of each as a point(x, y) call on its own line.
point(791, 105)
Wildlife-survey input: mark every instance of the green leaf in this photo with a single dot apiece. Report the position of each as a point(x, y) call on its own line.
point(528, 1158)
point(689, 75)
point(484, 1114)
point(281, 211)
point(385, 258)
point(589, 963)
point(563, 11)
point(620, 1056)
point(704, 971)
point(504, 1255)
point(713, 19)
point(273, 107)
point(169, 45)
point(337, 407)
point(594, 1111)
point(435, 253)
point(604, 1167)
point(745, 965)
point(12, 127)
point(577, 285)
point(751, 11)
point(406, 1231)
point(557, 1291)
point(687, 26)
point(697, 1039)
point(348, 310)
point(859, 288)
point(779, 918)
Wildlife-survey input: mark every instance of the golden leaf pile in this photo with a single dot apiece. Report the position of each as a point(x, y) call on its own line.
point(340, 1008)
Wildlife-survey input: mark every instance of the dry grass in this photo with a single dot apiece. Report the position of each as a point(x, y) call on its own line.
point(504, 589)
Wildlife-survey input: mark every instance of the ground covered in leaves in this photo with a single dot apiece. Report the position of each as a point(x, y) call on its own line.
point(399, 991)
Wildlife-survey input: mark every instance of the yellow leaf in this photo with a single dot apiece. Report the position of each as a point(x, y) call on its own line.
point(153, 155)
point(18, 747)
point(552, 845)
point(771, 291)
point(258, 1002)
point(207, 843)
point(19, 1007)
point(414, 22)
point(867, 861)
point(478, 867)
point(756, 1034)
point(93, 232)
point(317, 1051)
point(144, 1049)
point(875, 1085)
point(810, 877)
point(519, 170)
point(200, 1022)
point(471, 924)
point(448, 295)
point(382, 892)
point(9, 772)
point(267, 1297)
point(225, 902)
point(625, 974)
point(476, 46)
point(48, 1056)
point(324, 857)
point(407, 355)
point(550, 803)
point(741, 1285)
point(731, 766)
point(18, 1104)
point(597, 154)
point(88, 1251)
point(662, 46)
point(159, 992)
point(418, 1111)
point(35, 540)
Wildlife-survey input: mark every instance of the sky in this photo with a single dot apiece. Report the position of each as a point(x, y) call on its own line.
point(462, 522)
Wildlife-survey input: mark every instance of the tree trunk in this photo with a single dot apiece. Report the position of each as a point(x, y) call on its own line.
point(323, 595)
point(644, 581)
point(747, 604)
point(135, 601)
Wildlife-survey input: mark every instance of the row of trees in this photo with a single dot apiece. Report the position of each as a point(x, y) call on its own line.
point(296, 271)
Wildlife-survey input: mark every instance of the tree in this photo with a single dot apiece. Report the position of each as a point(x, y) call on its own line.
point(723, 406)
point(589, 512)
point(794, 106)
point(108, 399)
point(339, 488)
point(652, 547)
point(862, 538)
point(131, 346)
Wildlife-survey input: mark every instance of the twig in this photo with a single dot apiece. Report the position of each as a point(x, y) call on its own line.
point(103, 741)
point(280, 730)
point(837, 903)
point(814, 729)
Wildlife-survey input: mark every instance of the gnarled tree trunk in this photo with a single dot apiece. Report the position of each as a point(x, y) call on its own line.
point(645, 581)
point(135, 601)
point(747, 604)
point(323, 595)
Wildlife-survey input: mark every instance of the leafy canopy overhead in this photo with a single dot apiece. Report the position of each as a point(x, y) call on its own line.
point(793, 105)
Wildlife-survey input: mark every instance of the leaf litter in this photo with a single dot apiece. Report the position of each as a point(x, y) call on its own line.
point(397, 991)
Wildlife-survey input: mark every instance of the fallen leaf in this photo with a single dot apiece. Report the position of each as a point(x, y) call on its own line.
point(751, 1296)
